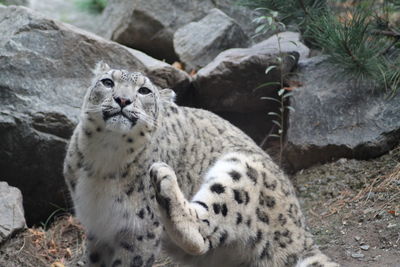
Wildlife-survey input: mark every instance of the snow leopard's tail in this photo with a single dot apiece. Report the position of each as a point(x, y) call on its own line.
point(315, 258)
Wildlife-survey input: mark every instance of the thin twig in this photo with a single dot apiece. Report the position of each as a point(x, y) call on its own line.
point(390, 33)
point(350, 53)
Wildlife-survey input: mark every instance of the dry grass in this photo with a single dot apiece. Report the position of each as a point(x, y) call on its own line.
point(387, 184)
point(62, 245)
point(55, 247)
point(386, 187)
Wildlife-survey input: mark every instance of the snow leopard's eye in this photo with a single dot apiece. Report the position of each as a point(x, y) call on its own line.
point(144, 91)
point(107, 83)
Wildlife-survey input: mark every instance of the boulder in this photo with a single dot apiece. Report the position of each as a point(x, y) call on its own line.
point(229, 82)
point(45, 68)
point(11, 211)
point(149, 25)
point(198, 43)
point(334, 118)
point(284, 42)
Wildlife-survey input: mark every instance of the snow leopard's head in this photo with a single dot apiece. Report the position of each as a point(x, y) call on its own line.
point(123, 101)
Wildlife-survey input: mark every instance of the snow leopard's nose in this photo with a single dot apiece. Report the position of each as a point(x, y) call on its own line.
point(122, 102)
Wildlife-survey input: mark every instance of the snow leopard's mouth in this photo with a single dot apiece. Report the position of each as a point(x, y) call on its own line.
point(107, 114)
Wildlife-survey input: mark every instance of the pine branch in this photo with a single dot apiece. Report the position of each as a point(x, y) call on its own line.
point(303, 6)
point(357, 39)
point(352, 56)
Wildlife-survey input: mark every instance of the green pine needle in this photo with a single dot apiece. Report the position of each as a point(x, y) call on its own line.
point(353, 47)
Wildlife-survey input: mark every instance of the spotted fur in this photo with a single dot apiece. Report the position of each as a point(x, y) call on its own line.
point(145, 173)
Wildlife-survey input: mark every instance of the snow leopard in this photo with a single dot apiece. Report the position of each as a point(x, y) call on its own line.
point(147, 175)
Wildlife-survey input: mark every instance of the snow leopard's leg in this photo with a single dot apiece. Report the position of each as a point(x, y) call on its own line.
point(244, 199)
point(219, 213)
point(131, 249)
point(98, 253)
point(128, 248)
point(175, 210)
point(314, 257)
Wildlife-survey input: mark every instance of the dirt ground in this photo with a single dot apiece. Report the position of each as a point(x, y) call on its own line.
point(352, 208)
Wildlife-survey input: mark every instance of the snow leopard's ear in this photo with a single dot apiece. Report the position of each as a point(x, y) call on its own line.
point(167, 95)
point(101, 68)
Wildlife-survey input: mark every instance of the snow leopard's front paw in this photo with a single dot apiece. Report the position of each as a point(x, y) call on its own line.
point(160, 171)
point(164, 182)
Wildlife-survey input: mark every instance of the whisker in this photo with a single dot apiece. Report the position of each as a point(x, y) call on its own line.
point(103, 108)
point(143, 116)
point(149, 121)
point(107, 106)
point(93, 111)
point(94, 107)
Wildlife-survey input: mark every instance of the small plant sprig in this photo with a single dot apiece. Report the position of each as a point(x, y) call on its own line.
point(295, 13)
point(92, 6)
point(284, 93)
point(45, 225)
point(268, 23)
point(279, 117)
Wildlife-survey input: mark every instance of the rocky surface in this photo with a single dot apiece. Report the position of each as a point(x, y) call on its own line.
point(229, 82)
point(11, 211)
point(45, 68)
point(334, 118)
point(198, 43)
point(149, 25)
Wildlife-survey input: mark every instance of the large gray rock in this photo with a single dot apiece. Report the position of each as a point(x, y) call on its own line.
point(149, 25)
point(228, 83)
point(11, 211)
point(198, 43)
point(284, 42)
point(333, 118)
point(45, 68)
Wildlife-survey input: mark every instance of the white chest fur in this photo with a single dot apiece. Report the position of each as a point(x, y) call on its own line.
point(99, 207)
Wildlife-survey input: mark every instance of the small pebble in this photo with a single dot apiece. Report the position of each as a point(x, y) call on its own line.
point(364, 247)
point(302, 189)
point(331, 177)
point(80, 263)
point(357, 238)
point(368, 210)
point(371, 195)
point(357, 255)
